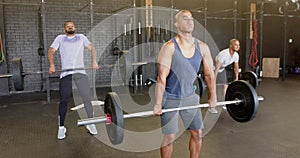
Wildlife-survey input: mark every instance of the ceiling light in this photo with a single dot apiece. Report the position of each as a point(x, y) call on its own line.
point(294, 1)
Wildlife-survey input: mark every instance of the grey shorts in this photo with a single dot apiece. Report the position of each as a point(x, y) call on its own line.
point(225, 77)
point(222, 77)
point(191, 118)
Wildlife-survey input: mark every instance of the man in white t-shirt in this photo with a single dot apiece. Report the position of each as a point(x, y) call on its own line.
point(71, 48)
point(227, 67)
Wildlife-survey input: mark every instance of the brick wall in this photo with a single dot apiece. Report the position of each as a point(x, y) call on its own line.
point(3, 66)
point(22, 39)
point(22, 27)
point(22, 24)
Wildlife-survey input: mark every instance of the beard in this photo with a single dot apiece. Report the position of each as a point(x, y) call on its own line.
point(70, 32)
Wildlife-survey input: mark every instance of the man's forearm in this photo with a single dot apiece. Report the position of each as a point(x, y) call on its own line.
point(159, 92)
point(236, 72)
point(211, 88)
point(94, 55)
point(50, 57)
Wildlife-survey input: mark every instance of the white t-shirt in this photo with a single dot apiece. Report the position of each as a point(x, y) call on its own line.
point(71, 52)
point(225, 58)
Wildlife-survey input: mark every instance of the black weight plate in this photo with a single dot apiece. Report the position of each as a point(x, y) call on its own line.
point(17, 69)
point(251, 77)
point(112, 107)
point(199, 86)
point(246, 110)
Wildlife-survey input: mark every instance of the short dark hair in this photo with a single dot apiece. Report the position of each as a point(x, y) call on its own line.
point(68, 21)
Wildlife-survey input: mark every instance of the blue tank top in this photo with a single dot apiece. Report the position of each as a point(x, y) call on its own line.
point(183, 72)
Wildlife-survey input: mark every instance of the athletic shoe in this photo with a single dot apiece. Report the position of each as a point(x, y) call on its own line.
point(224, 107)
point(61, 132)
point(92, 129)
point(212, 110)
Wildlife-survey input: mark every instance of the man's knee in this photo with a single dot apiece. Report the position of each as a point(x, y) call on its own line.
point(196, 134)
point(169, 139)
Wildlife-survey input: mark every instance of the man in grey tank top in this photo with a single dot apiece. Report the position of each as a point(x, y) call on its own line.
point(71, 48)
point(178, 63)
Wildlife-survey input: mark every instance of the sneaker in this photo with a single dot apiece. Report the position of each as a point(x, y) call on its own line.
point(224, 107)
point(212, 110)
point(92, 129)
point(61, 132)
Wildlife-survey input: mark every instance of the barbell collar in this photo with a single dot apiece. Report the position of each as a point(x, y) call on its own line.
point(260, 98)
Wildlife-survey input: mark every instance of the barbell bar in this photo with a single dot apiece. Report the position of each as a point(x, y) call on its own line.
point(18, 74)
point(94, 103)
point(241, 101)
point(248, 76)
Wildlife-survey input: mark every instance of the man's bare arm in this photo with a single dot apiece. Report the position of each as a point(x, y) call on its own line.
point(209, 74)
point(218, 66)
point(236, 71)
point(164, 65)
point(94, 56)
point(51, 52)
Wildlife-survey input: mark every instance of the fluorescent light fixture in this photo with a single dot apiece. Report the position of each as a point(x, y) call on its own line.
point(270, 1)
point(294, 1)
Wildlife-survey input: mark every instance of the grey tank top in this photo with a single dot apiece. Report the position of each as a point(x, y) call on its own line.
point(183, 73)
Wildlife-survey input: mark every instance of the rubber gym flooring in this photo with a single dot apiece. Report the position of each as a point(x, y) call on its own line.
point(28, 129)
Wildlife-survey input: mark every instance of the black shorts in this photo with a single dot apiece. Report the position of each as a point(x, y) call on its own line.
point(226, 76)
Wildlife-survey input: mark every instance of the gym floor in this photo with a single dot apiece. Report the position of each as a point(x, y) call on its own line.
point(29, 127)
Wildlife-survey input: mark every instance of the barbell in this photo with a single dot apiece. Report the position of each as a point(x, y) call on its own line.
point(248, 76)
point(200, 86)
point(241, 101)
point(251, 77)
point(18, 75)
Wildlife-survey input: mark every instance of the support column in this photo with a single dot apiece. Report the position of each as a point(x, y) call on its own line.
point(4, 90)
point(205, 20)
point(44, 30)
point(285, 38)
point(94, 94)
point(261, 22)
point(172, 19)
point(235, 19)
